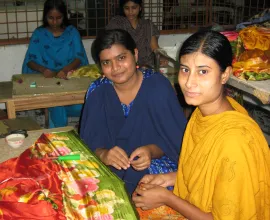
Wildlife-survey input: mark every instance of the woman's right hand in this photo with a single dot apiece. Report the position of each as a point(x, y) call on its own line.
point(164, 180)
point(48, 73)
point(115, 157)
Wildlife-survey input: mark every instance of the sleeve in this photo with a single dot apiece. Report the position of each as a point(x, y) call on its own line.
point(238, 191)
point(33, 52)
point(92, 123)
point(155, 31)
point(168, 119)
point(78, 48)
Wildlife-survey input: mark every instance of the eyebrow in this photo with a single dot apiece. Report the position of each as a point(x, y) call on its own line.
point(197, 66)
point(121, 54)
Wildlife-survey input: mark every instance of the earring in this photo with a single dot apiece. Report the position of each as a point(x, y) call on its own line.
point(137, 65)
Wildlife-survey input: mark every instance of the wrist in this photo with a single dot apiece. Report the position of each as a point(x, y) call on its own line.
point(101, 153)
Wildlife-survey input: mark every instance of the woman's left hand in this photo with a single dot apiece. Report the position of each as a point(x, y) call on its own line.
point(140, 159)
point(148, 196)
point(61, 74)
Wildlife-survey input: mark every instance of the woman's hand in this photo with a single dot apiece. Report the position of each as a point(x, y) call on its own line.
point(115, 157)
point(163, 180)
point(140, 159)
point(48, 73)
point(61, 74)
point(148, 196)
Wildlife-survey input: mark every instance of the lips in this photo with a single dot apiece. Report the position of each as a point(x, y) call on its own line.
point(191, 94)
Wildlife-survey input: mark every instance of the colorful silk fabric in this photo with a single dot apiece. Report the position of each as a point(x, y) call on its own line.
point(225, 166)
point(33, 186)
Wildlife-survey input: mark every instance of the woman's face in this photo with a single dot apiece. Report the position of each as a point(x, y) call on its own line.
point(200, 79)
point(132, 10)
point(118, 64)
point(55, 19)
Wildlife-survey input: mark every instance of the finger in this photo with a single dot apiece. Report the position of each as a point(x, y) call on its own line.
point(134, 154)
point(116, 166)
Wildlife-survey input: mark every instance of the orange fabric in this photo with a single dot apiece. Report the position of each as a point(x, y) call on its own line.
point(161, 213)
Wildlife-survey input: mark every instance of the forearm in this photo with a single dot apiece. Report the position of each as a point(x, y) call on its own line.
point(34, 66)
point(186, 209)
point(72, 66)
point(155, 151)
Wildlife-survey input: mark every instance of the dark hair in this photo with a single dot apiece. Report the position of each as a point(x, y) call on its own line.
point(60, 6)
point(122, 4)
point(106, 39)
point(210, 43)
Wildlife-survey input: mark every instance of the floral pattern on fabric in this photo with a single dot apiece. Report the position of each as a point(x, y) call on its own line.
point(72, 189)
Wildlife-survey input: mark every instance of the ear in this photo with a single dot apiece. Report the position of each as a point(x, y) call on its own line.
point(226, 75)
point(136, 54)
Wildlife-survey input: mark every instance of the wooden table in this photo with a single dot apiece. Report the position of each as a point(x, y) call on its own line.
point(8, 152)
point(37, 101)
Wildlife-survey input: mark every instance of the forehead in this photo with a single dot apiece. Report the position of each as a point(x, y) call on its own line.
point(197, 59)
point(130, 4)
point(54, 13)
point(112, 52)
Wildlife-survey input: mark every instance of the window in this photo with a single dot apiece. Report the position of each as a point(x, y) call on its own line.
point(19, 18)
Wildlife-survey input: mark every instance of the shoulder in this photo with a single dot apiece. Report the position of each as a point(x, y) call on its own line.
point(71, 30)
point(157, 83)
point(97, 85)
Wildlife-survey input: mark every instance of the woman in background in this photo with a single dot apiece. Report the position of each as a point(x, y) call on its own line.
point(144, 32)
point(54, 50)
point(131, 119)
point(224, 166)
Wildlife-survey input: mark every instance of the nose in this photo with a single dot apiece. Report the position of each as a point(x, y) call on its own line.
point(191, 81)
point(115, 66)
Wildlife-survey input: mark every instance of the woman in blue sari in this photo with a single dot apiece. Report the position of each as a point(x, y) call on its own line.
point(54, 50)
point(132, 119)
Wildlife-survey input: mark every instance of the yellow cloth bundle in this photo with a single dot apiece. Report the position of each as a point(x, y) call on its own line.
point(255, 37)
point(91, 71)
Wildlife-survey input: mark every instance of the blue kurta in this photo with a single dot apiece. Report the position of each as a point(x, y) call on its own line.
point(55, 53)
point(155, 117)
point(52, 52)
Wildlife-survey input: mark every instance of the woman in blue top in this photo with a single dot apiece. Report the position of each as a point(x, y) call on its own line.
point(55, 49)
point(132, 119)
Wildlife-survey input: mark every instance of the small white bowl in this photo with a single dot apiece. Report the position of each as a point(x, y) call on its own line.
point(15, 140)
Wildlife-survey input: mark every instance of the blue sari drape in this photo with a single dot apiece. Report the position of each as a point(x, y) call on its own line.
point(55, 53)
point(156, 117)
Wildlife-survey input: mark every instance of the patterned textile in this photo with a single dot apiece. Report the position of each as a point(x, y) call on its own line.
point(33, 186)
point(52, 52)
point(142, 36)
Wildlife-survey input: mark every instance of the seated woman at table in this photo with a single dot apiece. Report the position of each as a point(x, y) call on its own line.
point(224, 169)
point(54, 50)
point(144, 32)
point(131, 117)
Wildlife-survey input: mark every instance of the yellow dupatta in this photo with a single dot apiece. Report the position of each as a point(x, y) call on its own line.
point(224, 166)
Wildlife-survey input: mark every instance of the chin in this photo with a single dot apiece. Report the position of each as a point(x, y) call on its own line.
point(192, 101)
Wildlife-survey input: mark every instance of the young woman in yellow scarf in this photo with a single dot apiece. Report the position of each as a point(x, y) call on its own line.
point(224, 166)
